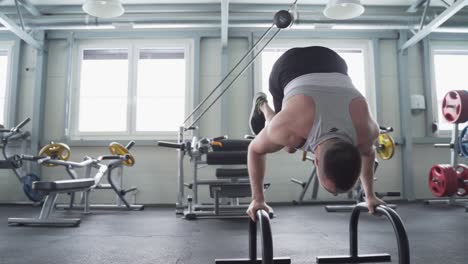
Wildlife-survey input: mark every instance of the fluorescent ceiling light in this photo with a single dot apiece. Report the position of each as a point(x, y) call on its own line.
point(343, 9)
point(103, 8)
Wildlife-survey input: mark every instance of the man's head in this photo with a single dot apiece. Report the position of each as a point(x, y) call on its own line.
point(338, 165)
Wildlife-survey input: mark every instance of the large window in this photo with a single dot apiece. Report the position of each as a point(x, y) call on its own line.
point(449, 74)
point(3, 82)
point(130, 90)
point(354, 59)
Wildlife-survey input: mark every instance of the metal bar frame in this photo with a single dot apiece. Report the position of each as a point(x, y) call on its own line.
point(405, 120)
point(434, 24)
point(263, 220)
point(416, 6)
point(30, 7)
point(11, 26)
point(354, 257)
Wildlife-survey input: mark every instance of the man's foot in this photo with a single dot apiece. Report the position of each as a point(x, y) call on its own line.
point(257, 118)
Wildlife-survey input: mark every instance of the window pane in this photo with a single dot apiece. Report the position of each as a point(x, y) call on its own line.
point(450, 74)
point(103, 91)
point(354, 59)
point(3, 82)
point(160, 89)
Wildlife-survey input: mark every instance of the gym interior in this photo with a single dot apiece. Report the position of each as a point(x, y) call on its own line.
point(125, 132)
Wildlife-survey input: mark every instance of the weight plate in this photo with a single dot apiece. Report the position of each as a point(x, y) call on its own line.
point(443, 180)
point(386, 146)
point(463, 142)
point(462, 175)
point(455, 106)
point(33, 195)
point(118, 149)
point(58, 151)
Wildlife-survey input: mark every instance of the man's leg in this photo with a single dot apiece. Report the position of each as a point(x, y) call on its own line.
point(267, 111)
point(260, 114)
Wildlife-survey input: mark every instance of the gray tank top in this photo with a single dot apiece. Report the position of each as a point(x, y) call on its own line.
point(332, 94)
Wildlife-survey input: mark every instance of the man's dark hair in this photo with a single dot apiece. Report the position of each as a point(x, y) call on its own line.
point(342, 165)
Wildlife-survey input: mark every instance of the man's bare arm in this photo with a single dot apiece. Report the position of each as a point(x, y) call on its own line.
point(273, 138)
point(367, 171)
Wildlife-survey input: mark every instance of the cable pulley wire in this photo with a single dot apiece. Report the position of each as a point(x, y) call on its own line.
point(232, 70)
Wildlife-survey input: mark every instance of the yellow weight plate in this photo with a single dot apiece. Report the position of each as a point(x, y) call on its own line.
point(386, 147)
point(59, 151)
point(117, 149)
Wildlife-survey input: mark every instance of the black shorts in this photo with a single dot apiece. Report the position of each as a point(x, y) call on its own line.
point(300, 61)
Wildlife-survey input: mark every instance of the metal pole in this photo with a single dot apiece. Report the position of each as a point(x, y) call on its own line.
point(180, 171)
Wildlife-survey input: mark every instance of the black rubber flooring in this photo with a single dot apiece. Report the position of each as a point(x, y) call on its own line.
point(438, 234)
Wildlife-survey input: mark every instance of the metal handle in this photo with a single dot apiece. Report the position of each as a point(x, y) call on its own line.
point(386, 129)
point(263, 219)
point(398, 227)
point(112, 157)
point(220, 138)
point(21, 125)
point(166, 144)
point(450, 145)
point(130, 145)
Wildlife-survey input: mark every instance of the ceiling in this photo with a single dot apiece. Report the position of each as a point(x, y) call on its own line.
point(317, 2)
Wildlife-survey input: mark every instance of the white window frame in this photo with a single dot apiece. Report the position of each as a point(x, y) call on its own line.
point(8, 45)
point(342, 44)
point(132, 46)
point(434, 47)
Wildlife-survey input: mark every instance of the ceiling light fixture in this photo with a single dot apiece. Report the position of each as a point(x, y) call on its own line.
point(104, 8)
point(343, 9)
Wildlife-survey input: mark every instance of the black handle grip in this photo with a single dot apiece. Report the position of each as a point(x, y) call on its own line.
point(386, 129)
point(130, 145)
point(22, 124)
point(30, 157)
point(220, 138)
point(191, 128)
point(393, 194)
point(110, 157)
point(170, 144)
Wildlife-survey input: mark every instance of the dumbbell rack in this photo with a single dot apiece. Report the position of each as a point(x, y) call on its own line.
point(454, 150)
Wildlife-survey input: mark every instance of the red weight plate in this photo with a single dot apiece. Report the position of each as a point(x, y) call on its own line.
point(455, 106)
point(462, 175)
point(443, 180)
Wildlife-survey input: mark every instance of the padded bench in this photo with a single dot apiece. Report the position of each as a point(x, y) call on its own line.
point(226, 158)
point(52, 189)
point(63, 185)
point(232, 145)
point(232, 173)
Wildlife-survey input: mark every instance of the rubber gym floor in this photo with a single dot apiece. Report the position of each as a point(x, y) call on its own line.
point(437, 234)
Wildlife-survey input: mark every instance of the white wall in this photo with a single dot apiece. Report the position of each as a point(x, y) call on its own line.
point(156, 168)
